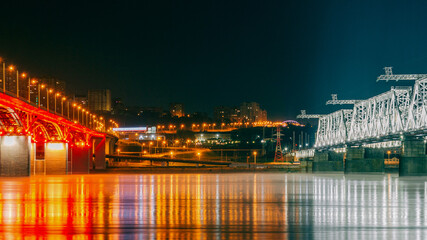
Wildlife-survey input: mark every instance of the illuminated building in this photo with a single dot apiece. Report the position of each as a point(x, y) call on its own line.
point(99, 100)
point(176, 110)
point(251, 112)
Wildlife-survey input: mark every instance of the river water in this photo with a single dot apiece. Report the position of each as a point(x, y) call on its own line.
point(213, 206)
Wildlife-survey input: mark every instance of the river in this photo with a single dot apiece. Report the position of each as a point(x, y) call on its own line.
point(213, 206)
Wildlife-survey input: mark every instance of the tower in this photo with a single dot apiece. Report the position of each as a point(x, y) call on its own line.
point(278, 156)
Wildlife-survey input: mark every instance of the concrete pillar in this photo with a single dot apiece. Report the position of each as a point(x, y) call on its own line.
point(80, 160)
point(99, 151)
point(56, 156)
point(15, 156)
point(413, 161)
point(328, 161)
point(364, 160)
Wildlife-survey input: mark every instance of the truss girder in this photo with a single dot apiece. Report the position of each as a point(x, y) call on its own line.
point(392, 112)
point(332, 128)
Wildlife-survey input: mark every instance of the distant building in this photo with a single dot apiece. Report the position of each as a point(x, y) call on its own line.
point(251, 112)
point(99, 100)
point(176, 109)
point(222, 114)
point(118, 107)
point(81, 99)
point(235, 115)
point(57, 85)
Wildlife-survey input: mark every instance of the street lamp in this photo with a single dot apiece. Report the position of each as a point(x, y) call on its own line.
point(171, 155)
point(74, 106)
point(255, 153)
point(56, 95)
point(48, 91)
point(198, 154)
point(78, 114)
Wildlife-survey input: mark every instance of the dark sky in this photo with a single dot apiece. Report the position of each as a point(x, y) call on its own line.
point(286, 55)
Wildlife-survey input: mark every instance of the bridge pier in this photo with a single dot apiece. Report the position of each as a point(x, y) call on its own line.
point(15, 156)
point(328, 161)
point(413, 161)
point(80, 159)
point(99, 152)
point(56, 156)
point(364, 160)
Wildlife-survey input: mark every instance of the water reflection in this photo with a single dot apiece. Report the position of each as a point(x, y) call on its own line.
point(213, 206)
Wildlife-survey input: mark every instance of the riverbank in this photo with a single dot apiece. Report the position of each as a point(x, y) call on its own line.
point(167, 170)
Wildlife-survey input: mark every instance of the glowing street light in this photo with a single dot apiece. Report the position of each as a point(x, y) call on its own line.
point(62, 105)
point(255, 153)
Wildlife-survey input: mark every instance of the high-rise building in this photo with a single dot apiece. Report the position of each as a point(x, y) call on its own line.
point(57, 85)
point(222, 114)
point(81, 99)
point(99, 100)
point(176, 109)
point(251, 112)
point(235, 115)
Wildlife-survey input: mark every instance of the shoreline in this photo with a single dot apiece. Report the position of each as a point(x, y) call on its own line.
point(185, 170)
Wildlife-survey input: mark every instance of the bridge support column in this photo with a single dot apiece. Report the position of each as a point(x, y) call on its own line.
point(109, 148)
point(99, 150)
point(328, 161)
point(15, 156)
point(364, 160)
point(80, 159)
point(413, 161)
point(56, 156)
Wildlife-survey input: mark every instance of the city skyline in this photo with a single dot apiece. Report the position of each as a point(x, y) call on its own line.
point(156, 53)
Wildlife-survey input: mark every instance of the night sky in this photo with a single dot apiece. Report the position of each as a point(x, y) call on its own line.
point(286, 55)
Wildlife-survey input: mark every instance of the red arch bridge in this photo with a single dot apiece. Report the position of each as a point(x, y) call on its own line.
point(42, 132)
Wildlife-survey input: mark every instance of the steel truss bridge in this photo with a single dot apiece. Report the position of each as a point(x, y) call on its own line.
point(380, 121)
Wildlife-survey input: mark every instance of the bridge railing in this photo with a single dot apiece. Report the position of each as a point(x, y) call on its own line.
point(40, 94)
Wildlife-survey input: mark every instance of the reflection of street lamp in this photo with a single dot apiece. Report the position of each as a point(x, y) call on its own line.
point(255, 153)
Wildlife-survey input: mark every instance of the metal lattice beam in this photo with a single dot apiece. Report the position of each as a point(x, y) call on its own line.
point(389, 76)
point(308, 116)
point(335, 101)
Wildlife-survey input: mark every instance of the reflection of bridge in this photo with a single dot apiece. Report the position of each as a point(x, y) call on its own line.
point(43, 132)
point(392, 120)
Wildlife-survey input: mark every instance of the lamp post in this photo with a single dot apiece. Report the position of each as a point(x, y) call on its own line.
point(17, 83)
point(198, 154)
point(38, 92)
point(78, 114)
point(388, 153)
point(56, 95)
point(29, 89)
point(62, 105)
point(74, 106)
point(255, 153)
point(4, 77)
